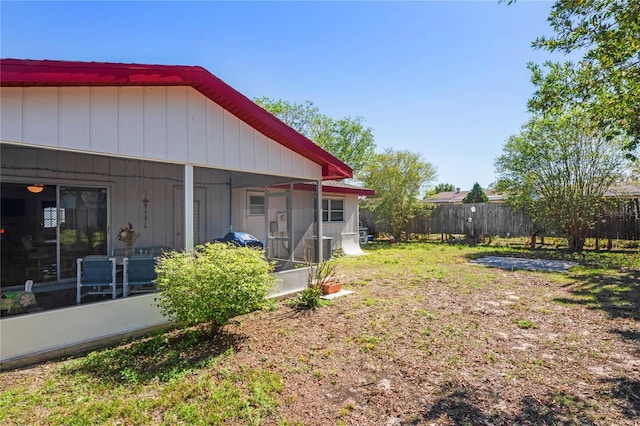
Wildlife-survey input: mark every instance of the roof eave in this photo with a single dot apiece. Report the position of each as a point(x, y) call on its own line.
point(34, 73)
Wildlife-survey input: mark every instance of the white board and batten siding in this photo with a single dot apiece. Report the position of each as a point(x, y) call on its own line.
point(305, 215)
point(350, 223)
point(167, 124)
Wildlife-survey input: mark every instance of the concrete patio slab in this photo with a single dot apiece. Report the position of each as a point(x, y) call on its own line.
point(335, 295)
point(527, 264)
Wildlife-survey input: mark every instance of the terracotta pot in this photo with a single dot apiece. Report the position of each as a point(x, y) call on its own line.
point(331, 287)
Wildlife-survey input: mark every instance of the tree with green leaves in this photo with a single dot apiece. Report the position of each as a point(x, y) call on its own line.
point(558, 169)
point(443, 187)
point(346, 138)
point(400, 179)
point(476, 195)
point(605, 83)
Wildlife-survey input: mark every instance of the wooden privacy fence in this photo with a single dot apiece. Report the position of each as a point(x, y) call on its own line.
point(477, 219)
point(487, 219)
point(499, 219)
point(622, 222)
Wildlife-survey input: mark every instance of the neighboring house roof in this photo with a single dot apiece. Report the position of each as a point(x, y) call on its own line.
point(456, 197)
point(624, 189)
point(34, 73)
point(333, 187)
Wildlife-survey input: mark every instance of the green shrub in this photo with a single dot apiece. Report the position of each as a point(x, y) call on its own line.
point(213, 283)
point(309, 298)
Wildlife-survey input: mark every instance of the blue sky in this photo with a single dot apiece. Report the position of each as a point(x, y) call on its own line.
point(447, 80)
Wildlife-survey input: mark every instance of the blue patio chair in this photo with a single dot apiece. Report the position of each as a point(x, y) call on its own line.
point(98, 273)
point(139, 274)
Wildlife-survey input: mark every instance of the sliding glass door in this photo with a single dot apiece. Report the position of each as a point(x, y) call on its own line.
point(28, 246)
point(45, 228)
point(83, 225)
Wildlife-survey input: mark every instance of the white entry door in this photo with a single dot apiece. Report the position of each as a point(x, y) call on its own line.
point(199, 216)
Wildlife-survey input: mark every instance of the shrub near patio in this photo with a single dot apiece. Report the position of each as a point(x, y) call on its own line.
point(213, 284)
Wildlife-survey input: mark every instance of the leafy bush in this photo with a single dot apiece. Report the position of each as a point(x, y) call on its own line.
point(309, 298)
point(213, 283)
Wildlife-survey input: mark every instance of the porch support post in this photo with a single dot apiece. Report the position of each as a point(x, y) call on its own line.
point(230, 204)
point(319, 219)
point(188, 207)
point(266, 221)
point(290, 219)
point(58, 231)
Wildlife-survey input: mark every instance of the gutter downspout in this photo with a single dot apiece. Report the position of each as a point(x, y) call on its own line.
point(290, 219)
point(266, 221)
point(230, 204)
point(188, 207)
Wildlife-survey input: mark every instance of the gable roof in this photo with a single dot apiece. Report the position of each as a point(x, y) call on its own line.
point(35, 73)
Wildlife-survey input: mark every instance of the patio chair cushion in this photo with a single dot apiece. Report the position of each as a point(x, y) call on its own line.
point(97, 272)
point(139, 274)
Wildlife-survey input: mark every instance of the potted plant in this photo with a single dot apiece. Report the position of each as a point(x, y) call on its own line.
point(128, 235)
point(322, 276)
point(320, 280)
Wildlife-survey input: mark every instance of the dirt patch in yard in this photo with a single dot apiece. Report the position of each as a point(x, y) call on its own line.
point(429, 356)
point(428, 338)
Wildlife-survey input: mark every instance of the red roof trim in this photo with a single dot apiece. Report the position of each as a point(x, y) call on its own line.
point(30, 73)
point(327, 188)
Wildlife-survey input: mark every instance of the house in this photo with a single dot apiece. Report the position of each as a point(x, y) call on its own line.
point(171, 151)
point(340, 216)
point(624, 190)
point(456, 197)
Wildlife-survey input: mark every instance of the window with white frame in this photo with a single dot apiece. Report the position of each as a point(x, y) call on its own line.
point(332, 210)
point(50, 217)
point(256, 204)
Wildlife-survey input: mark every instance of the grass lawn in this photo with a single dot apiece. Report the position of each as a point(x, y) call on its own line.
point(427, 338)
